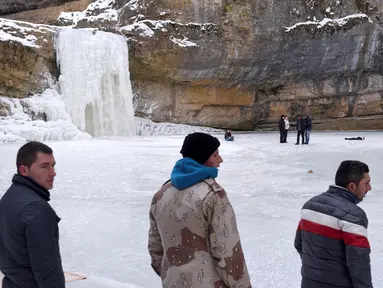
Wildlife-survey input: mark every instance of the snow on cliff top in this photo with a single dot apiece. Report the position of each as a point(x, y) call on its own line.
point(327, 21)
point(21, 32)
point(106, 10)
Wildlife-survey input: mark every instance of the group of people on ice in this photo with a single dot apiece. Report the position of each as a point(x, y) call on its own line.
point(303, 128)
point(193, 238)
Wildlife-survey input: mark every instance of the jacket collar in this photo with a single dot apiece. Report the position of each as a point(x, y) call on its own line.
point(335, 189)
point(30, 183)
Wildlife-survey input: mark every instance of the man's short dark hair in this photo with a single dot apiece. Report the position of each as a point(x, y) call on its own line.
point(350, 171)
point(27, 154)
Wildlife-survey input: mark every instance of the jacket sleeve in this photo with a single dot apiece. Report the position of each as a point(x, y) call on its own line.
point(155, 245)
point(357, 252)
point(224, 241)
point(298, 240)
point(41, 230)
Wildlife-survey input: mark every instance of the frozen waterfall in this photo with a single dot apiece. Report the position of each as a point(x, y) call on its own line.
point(95, 81)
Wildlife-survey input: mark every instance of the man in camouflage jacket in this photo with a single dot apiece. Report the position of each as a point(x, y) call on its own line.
point(193, 236)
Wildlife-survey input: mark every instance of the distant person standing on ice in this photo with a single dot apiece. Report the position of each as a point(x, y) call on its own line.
point(282, 129)
point(308, 128)
point(332, 233)
point(29, 235)
point(287, 127)
point(193, 236)
point(301, 125)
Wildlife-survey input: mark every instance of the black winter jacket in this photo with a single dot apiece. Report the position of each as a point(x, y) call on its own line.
point(29, 237)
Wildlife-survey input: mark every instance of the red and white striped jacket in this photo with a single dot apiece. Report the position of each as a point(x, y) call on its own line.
point(332, 241)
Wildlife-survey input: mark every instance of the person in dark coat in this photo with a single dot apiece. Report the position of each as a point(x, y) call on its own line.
point(301, 124)
point(228, 136)
point(29, 235)
point(308, 128)
point(331, 238)
point(282, 129)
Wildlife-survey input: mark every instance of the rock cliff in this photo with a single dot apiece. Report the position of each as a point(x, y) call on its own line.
point(240, 64)
point(27, 58)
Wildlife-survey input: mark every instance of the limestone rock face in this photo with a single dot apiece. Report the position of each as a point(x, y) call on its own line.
point(14, 6)
point(5, 109)
point(27, 58)
point(241, 64)
point(49, 14)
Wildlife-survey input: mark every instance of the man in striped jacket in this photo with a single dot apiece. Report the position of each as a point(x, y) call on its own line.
point(332, 233)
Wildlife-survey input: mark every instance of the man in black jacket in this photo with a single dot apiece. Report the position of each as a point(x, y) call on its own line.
point(29, 235)
point(332, 233)
point(282, 129)
point(301, 125)
point(308, 128)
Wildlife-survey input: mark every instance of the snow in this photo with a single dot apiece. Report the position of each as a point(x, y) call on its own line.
point(161, 25)
point(142, 28)
point(103, 191)
point(100, 4)
point(147, 28)
point(19, 126)
point(183, 42)
point(146, 127)
point(27, 41)
point(132, 5)
point(72, 17)
point(13, 31)
point(327, 21)
point(95, 81)
point(103, 8)
point(23, 32)
point(24, 27)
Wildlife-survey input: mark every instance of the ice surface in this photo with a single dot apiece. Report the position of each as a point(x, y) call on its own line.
point(103, 191)
point(95, 81)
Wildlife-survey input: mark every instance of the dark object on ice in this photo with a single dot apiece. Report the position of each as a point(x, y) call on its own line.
point(354, 138)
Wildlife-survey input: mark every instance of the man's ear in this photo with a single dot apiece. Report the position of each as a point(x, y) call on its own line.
point(352, 186)
point(23, 170)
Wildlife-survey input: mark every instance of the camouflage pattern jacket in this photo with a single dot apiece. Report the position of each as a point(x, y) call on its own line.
point(193, 238)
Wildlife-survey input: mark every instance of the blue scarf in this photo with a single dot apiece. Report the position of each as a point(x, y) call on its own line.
point(188, 172)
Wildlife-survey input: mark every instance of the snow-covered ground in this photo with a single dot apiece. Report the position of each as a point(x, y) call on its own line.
point(104, 187)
